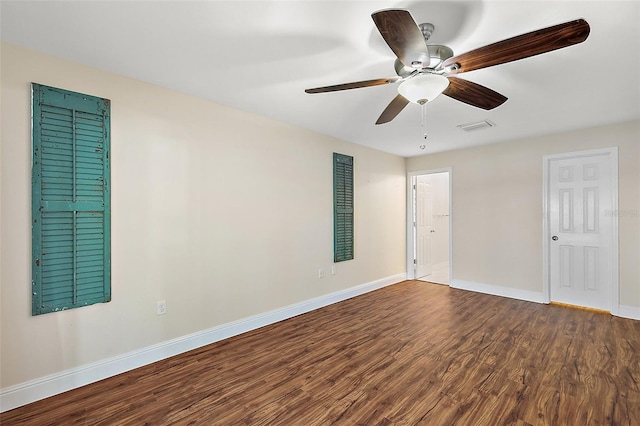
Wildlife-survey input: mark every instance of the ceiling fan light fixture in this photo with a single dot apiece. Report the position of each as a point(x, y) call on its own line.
point(423, 88)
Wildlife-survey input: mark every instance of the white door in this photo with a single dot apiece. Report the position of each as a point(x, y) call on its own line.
point(424, 227)
point(581, 231)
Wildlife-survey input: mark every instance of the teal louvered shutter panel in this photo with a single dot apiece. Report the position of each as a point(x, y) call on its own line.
point(70, 200)
point(342, 207)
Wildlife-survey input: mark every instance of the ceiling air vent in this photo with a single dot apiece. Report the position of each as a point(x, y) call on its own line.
point(470, 127)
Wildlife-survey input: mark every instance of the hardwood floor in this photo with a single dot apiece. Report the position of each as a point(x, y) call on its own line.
point(411, 353)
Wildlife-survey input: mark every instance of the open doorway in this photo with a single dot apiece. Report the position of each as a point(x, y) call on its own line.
point(430, 226)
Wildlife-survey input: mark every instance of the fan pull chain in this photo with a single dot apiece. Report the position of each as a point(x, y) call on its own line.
point(424, 120)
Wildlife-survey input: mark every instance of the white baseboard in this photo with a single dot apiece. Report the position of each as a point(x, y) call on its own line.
point(631, 312)
point(496, 290)
point(44, 387)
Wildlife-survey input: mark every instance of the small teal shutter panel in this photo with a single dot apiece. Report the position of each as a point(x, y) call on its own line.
point(70, 200)
point(343, 207)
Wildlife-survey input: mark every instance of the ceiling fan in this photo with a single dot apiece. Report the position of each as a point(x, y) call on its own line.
point(425, 71)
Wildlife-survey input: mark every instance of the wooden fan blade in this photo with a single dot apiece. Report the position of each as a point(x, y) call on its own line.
point(473, 94)
point(393, 109)
point(354, 85)
point(403, 36)
point(520, 47)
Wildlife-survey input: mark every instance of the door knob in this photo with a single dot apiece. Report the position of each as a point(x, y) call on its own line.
point(554, 238)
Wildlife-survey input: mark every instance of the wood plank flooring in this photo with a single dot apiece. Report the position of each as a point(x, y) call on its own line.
point(412, 353)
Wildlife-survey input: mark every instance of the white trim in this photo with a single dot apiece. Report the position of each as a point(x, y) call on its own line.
point(546, 282)
point(615, 255)
point(411, 267)
point(612, 153)
point(631, 312)
point(34, 390)
point(411, 178)
point(496, 290)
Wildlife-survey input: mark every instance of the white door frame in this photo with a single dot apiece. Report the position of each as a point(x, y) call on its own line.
point(612, 154)
point(411, 243)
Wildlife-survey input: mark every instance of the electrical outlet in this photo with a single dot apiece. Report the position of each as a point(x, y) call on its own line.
point(333, 269)
point(161, 307)
point(320, 273)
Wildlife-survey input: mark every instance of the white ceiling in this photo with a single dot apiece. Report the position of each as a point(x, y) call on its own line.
point(259, 56)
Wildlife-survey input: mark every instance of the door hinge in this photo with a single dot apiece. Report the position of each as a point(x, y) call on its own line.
point(414, 261)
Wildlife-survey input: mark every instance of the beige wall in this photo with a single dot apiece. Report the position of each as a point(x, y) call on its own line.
point(222, 213)
point(497, 206)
